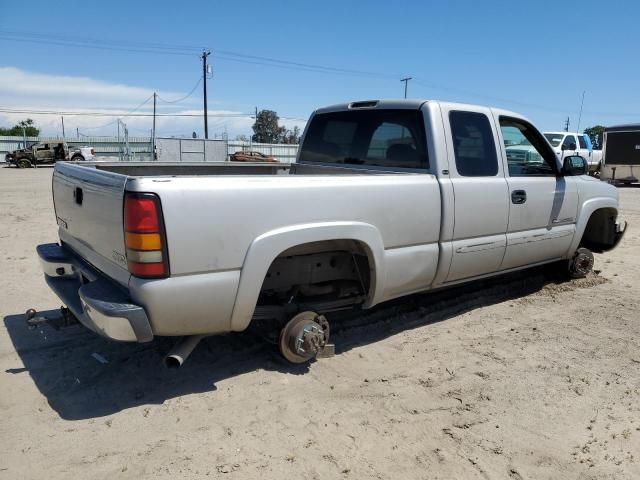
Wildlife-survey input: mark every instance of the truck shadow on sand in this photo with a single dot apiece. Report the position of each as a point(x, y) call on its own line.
point(79, 385)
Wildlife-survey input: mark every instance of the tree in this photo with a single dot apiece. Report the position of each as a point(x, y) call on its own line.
point(595, 134)
point(266, 128)
point(30, 129)
point(242, 138)
point(292, 137)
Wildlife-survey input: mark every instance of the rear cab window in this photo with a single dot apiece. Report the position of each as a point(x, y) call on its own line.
point(391, 138)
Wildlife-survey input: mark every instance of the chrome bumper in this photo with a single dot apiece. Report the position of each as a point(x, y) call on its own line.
point(99, 303)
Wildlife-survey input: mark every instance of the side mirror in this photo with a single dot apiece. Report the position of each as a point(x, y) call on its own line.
point(575, 165)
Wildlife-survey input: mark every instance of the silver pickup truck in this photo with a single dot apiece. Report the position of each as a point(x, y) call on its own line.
point(386, 198)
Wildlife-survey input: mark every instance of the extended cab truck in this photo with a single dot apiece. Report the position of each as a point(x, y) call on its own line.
point(387, 198)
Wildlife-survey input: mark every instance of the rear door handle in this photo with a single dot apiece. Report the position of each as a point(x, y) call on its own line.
point(518, 197)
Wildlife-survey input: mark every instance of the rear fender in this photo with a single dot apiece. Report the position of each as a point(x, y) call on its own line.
point(264, 250)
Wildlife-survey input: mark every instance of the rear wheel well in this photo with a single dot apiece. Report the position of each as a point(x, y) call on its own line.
point(599, 234)
point(328, 273)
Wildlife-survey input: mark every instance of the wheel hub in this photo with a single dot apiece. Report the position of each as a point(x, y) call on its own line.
point(304, 336)
point(582, 263)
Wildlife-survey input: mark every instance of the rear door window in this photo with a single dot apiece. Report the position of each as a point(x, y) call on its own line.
point(583, 142)
point(473, 144)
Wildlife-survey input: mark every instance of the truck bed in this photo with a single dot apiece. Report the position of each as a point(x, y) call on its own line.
point(145, 169)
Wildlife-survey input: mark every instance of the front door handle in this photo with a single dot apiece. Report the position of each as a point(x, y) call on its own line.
point(518, 197)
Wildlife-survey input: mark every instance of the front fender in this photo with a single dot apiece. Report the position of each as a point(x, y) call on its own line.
point(264, 250)
point(586, 210)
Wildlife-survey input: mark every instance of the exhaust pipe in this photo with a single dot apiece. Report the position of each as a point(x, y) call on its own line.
point(181, 351)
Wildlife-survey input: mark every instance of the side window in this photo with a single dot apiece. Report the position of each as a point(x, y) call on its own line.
point(583, 142)
point(569, 142)
point(526, 155)
point(473, 144)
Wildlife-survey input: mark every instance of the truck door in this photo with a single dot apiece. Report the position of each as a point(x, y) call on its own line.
point(543, 204)
point(569, 146)
point(41, 152)
point(584, 148)
point(481, 205)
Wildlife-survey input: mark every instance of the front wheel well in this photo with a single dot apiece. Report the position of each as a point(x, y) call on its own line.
point(600, 233)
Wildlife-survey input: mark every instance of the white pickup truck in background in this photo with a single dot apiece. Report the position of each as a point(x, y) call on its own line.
point(79, 154)
point(387, 198)
point(565, 143)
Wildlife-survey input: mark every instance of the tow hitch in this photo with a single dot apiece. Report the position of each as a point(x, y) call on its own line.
point(63, 319)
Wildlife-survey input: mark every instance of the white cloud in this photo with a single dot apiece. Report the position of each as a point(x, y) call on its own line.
point(23, 90)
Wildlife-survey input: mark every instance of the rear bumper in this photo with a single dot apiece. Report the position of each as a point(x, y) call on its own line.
point(99, 303)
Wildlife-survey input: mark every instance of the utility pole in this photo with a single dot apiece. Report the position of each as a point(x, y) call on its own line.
point(566, 125)
point(580, 116)
point(153, 131)
point(119, 147)
point(406, 80)
point(77, 132)
point(205, 54)
point(62, 117)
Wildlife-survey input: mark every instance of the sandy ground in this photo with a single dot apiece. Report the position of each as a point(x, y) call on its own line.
point(523, 379)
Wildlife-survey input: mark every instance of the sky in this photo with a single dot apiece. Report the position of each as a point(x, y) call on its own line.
point(535, 58)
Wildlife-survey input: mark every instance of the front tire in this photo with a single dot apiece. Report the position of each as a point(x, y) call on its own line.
point(23, 163)
point(77, 158)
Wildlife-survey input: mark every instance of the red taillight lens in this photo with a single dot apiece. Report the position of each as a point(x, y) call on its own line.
point(141, 214)
point(144, 236)
point(146, 269)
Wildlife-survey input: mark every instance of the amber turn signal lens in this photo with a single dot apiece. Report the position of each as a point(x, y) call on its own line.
point(143, 241)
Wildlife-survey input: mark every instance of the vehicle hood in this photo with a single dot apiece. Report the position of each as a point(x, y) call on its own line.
point(593, 187)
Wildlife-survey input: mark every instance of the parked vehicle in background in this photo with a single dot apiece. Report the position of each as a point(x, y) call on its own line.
point(621, 154)
point(565, 143)
point(387, 198)
point(251, 157)
point(39, 153)
point(85, 153)
point(51, 151)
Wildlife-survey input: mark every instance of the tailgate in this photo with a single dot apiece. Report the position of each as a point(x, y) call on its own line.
point(88, 205)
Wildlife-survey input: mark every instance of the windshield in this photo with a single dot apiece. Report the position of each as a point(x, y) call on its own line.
point(383, 138)
point(554, 138)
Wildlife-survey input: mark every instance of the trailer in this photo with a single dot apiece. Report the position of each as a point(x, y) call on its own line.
point(621, 154)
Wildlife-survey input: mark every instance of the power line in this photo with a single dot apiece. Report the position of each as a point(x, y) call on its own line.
point(227, 55)
point(99, 41)
point(114, 121)
point(183, 98)
point(121, 115)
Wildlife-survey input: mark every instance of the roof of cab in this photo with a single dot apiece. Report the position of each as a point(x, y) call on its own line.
point(408, 104)
point(404, 104)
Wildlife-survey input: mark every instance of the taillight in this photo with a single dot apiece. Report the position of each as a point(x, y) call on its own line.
point(144, 236)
